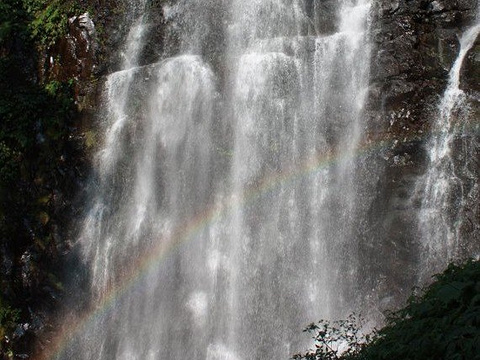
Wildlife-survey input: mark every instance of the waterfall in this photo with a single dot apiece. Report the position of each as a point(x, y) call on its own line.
point(448, 183)
point(225, 204)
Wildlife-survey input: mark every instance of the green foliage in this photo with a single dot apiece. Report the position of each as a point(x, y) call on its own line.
point(341, 339)
point(9, 164)
point(36, 123)
point(29, 112)
point(9, 318)
point(44, 21)
point(50, 19)
point(34, 129)
point(443, 322)
point(12, 19)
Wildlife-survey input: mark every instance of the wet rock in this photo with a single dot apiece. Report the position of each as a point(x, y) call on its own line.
point(436, 6)
point(85, 23)
point(36, 323)
point(73, 57)
point(470, 75)
point(415, 45)
point(7, 262)
point(21, 330)
point(51, 293)
point(323, 16)
point(28, 270)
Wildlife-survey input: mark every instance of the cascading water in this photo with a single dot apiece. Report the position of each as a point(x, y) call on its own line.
point(448, 182)
point(223, 214)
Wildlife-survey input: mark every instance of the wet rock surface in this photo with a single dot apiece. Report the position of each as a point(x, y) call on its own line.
point(415, 45)
point(37, 208)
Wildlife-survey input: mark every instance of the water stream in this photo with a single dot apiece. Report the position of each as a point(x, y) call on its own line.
point(448, 183)
point(226, 203)
point(230, 190)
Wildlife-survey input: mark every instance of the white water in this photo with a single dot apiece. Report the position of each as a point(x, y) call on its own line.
point(443, 186)
point(223, 216)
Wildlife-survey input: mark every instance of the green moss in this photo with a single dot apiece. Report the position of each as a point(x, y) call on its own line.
point(9, 318)
point(90, 139)
point(49, 19)
point(12, 20)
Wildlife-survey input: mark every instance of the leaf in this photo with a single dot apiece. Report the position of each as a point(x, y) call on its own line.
point(451, 291)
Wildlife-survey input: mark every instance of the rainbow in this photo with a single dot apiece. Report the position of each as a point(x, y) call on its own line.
point(151, 258)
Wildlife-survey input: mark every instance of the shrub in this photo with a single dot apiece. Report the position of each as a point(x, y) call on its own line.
point(341, 339)
point(8, 321)
point(50, 19)
point(443, 322)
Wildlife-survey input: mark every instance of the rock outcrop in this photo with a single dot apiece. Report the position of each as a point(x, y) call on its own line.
point(48, 95)
point(415, 45)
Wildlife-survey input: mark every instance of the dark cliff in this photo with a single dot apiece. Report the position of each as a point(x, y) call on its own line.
point(415, 45)
point(48, 77)
point(54, 56)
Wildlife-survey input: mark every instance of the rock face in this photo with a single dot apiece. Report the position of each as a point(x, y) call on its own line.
point(75, 53)
point(416, 43)
point(42, 127)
